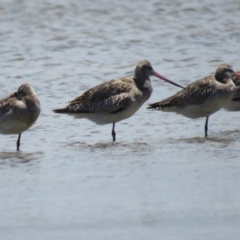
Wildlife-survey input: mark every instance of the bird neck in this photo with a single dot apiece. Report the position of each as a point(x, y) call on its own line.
point(223, 78)
point(31, 101)
point(227, 80)
point(141, 82)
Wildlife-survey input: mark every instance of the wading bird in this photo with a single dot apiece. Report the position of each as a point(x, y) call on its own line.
point(202, 97)
point(19, 111)
point(115, 100)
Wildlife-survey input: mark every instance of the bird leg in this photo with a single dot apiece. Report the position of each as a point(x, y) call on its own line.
point(18, 141)
point(113, 133)
point(206, 126)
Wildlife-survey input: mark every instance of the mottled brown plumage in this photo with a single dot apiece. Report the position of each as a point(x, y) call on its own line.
point(202, 97)
point(115, 100)
point(194, 94)
point(19, 111)
point(107, 97)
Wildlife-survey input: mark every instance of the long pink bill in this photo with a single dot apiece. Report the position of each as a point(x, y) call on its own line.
point(237, 74)
point(165, 79)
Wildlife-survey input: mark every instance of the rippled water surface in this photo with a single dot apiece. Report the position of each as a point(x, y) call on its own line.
point(162, 178)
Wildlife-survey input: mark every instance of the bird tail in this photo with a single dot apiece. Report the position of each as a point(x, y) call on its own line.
point(167, 104)
point(61, 110)
point(155, 106)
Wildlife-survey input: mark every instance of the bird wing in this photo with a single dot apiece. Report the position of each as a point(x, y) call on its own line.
point(6, 104)
point(195, 93)
point(112, 96)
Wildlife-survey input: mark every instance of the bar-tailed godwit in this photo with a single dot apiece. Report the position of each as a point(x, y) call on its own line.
point(19, 111)
point(115, 100)
point(234, 105)
point(202, 97)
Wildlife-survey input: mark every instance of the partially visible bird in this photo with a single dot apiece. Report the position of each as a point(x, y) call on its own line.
point(115, 100)
point(19, 111)
point(202, 97)
point(234, 105)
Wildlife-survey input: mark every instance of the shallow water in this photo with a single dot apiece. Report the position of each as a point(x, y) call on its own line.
point(161, 177)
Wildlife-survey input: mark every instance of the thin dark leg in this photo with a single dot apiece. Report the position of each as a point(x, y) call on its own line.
point(113, 133)
point(206, 126)
point(18, 141)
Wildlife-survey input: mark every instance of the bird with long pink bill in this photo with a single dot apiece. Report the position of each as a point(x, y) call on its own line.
point(115, 100)
point(202, 97)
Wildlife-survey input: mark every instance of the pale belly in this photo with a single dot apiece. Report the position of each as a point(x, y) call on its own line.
point(233, 106)
point(13, 127)
point(203, 110)
point(106, 118)
point(198, 111)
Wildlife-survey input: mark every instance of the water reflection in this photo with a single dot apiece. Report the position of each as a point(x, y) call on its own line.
point(19, 157)
point(118, 146)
